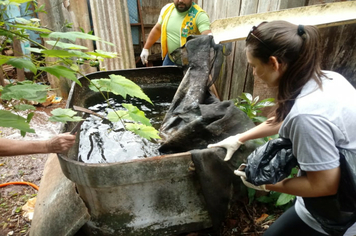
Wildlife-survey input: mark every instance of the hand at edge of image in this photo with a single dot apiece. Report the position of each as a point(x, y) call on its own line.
point(60, 143)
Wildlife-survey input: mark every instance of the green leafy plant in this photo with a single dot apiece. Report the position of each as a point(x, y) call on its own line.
point(252, 107)
point(280, 199)
point(275, 199)
point(16, 97)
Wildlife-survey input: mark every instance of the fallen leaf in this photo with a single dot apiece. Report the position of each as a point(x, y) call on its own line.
point(261, 219)
point(246, 229)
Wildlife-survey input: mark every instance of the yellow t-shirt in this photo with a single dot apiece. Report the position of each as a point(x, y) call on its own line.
point(175, 23)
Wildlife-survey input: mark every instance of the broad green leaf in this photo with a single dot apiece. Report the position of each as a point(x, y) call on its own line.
point(65, 45)
point(5, 2)
point(41, 9)
point(136, 114)
point(147, 132)
point(8, 119)
point(64, 115)
point(63, 71)
point(74, 67)
point(22, 63)
point(242, 108)
point(28, 91)
point(259, 119)
point(6, 33)
point(265, 103)
point(35, 20)
point(4, 60)
point(284, 199)
point(29, 117)
point(20, 1)
point(247, 97)
point(59, 53)
point(294, 172)
point(119, 85)
point(81, 54)
point(115, 116)
point(22, 21)
point(100, 53)
point(73, 35)
point(102, 84)
point(265, 199)
point(122, 86)
point(24, 107)
point(251, 194)
point(255, 100)
point(36, 50)
point(28, 27)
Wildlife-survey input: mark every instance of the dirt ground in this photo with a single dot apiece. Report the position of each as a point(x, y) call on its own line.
point(243, 219)
point(27, 168)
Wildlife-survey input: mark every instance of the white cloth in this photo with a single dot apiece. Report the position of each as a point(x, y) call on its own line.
point(320, 121)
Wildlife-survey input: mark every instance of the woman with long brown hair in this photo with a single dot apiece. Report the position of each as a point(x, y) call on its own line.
point(315, 110)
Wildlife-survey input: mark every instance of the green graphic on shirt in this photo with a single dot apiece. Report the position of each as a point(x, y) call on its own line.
point(185, 33)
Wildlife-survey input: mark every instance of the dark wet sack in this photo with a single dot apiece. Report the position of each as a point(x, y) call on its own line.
point(271, 162)
point(337, 213)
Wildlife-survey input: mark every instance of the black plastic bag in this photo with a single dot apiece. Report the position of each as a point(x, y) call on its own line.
point(271, 162)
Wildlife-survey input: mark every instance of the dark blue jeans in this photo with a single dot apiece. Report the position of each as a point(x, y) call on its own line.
point(167, 61)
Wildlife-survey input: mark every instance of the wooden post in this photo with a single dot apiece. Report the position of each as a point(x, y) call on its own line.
point(2, 80)
point(17, 53)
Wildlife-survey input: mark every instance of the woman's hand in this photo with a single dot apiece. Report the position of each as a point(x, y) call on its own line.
point(231, 144)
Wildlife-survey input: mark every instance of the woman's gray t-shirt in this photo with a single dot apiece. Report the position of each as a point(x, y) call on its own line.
point(319, 121)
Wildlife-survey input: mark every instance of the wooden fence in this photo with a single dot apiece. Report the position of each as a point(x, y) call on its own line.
point(338, 42)
point(111, 23)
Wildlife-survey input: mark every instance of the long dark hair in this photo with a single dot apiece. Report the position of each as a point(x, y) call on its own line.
point(296, 47)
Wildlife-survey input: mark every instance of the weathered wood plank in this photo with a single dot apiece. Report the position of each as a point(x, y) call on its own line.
point(111, 23)
point(242, 81)
point(339, 50)
point(151, 10)
point(54, 20)
point(259, 87)
point(79, 13)
point(294, 3)
point(226, 75)
point(150, 13)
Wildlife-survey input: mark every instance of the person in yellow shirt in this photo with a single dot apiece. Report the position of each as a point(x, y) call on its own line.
point(176, 22)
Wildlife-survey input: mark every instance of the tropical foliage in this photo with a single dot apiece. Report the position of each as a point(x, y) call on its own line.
point(17, 97)
point(252, 106)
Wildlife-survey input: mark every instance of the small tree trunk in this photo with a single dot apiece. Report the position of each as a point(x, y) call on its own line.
point(18, 52)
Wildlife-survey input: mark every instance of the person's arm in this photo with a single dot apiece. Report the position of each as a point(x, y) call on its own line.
point(206, 32)
point(58, 144)
point(313, 139)
point(233, 143)
point(314, 184)
point(153, 36)
point(260, 131)
point(203, 23)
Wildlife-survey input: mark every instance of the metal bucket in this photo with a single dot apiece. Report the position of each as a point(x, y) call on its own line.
point(151, 196)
